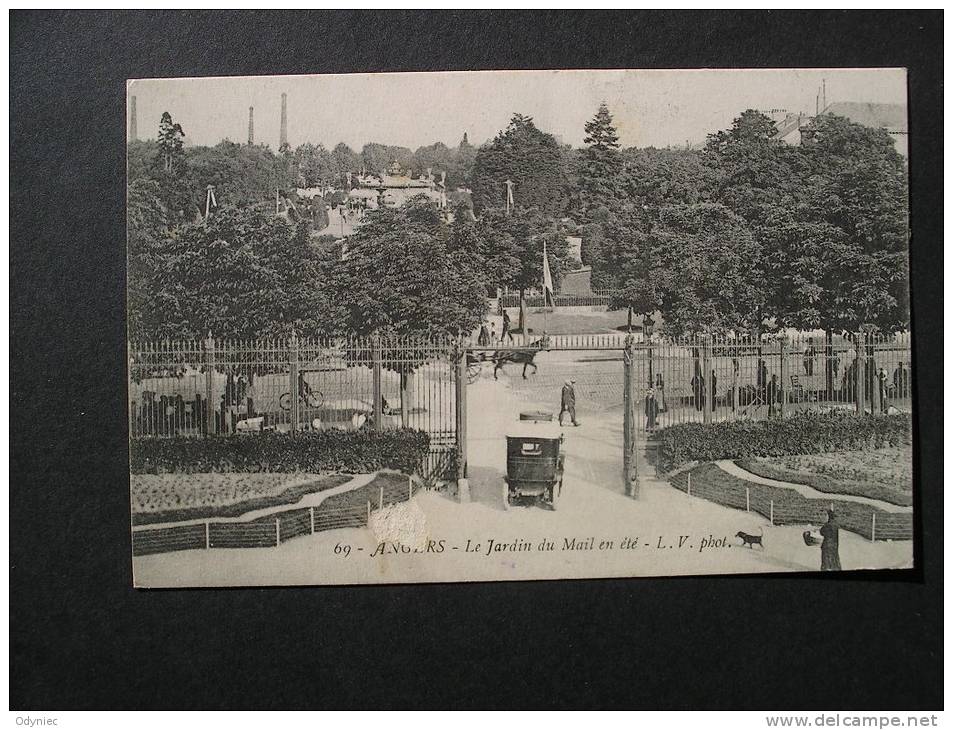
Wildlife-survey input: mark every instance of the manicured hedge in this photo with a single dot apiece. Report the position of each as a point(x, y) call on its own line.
point(802, 433)
point(333, 450)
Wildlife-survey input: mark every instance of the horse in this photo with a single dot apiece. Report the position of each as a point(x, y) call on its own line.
point(524, 356)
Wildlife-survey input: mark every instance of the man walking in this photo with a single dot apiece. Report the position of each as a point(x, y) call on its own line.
point(568, 402)
point(506, 328)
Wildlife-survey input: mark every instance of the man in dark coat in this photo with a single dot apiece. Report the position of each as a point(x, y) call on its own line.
point(651, 409)
point(506, 327)
point(484, 338)
point(762, 378)
point(698, 390)
point(810, 355)
point(567, 402)
point(830, 557)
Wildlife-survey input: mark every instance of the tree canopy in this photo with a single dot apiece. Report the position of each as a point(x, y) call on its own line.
point(531, 159)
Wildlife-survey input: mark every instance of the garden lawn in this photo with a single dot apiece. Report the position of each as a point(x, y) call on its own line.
point(576, 323)
point(175, 497)
point(395, 490)
point(884, 474)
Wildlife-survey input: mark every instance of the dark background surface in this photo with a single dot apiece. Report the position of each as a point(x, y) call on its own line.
point(81, 637)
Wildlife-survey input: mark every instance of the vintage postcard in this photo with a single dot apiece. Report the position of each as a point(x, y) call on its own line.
point(482, 326)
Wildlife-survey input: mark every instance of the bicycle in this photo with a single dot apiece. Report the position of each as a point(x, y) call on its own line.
point(308, 396)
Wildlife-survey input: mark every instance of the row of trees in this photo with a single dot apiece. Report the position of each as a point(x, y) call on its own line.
point(246, 273)
point(745, 234)
point(752, 232)
point(247, 175)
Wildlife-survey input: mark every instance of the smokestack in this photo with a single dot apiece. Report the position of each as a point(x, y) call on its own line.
point(133, 131)
point(251, 126)
point(283, 139)
point(824, 96)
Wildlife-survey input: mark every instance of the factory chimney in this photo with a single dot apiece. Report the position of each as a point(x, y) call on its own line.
point(283, 139)
point(251, 126)
point(133, 130)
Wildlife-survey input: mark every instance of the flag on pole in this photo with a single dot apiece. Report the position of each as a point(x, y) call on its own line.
point(549, 299)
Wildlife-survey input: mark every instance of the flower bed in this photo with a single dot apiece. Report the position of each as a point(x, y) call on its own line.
point(883, 474)
point(348, 509)
point(788, 507)
point(177, 497)
point(802, 433)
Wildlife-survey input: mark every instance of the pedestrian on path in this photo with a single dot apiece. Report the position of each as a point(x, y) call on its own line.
point(506, 328)
point(830, 554)
point(484, 339)
point(567, 402)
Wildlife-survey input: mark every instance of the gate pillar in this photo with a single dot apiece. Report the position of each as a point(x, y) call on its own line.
point(460, 412)
point(630, 470)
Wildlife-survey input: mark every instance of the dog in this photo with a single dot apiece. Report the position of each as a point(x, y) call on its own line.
point(750, 541)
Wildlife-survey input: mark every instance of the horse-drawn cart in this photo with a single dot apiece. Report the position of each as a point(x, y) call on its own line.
point(534, 462)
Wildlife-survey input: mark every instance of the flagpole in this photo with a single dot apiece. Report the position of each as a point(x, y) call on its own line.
point(549, 296)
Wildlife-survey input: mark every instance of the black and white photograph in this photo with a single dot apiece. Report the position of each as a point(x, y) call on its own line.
point(511, 325)
point(466, 360)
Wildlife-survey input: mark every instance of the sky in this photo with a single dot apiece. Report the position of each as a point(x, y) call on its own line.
point(650, 107)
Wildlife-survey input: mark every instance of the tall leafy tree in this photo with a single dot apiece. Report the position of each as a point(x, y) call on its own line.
point(242, 176)
point(515, 259)
point(170, 171)
point(465, 158)
point(601, 183)
point(400, 277)
point(243, 274)
point(530, 158)
point(313, 165)
point(344, 160)
point(840, 256)
point(709, 270)
point(752, 170)
point(147, 226)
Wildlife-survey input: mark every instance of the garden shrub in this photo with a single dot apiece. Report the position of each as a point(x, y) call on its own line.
point(332, 450)
point(802, 433)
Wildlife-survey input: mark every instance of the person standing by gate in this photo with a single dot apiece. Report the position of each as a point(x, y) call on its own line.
point(651, 410)
point(660, 392)
point(810, 355)
point(698, 389)
point(567, 402)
